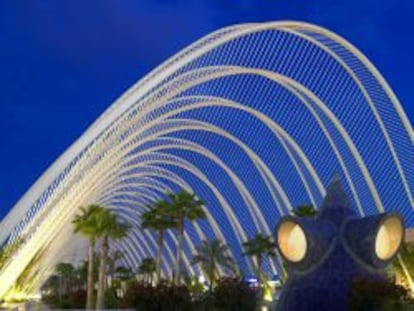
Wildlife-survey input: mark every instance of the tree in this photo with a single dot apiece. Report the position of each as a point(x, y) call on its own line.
point(147, 268)
point(50, 286)
point(305, 210)
point(210, 255)
point(86, 224)
point(66, 273)
point(158, 218)
point(123, 273)
point(185, 206)
point(258, 247)
point(396, 270)
point(370, 294)
point(113, 258)
point(109, 227)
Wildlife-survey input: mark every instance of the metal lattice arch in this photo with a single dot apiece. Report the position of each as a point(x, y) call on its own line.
point(254, 118)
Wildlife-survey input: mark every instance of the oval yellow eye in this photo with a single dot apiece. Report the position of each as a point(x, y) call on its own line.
point(389, 237)
point(292, 241)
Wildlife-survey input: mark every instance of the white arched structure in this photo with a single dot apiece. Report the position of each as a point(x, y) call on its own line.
point(254, 118)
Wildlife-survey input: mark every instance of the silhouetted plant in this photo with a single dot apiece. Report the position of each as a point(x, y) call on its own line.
point(86, 224)
point(110, 227)
point(258, 247)
point(234, 294)
point(147, 268)
point(159, 218)
point(163, 297)
point(379, 295)
point(305, 210)
point(210, 255)
point(184, 206)
point(395, 269)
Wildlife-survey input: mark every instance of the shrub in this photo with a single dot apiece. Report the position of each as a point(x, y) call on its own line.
point(381, 295)
point(234, 294)
point(164, 296)
point(74, 300)
point(111, 299)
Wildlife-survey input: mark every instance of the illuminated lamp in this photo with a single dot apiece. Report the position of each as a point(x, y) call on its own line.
point(324, 254)
point(382, 238)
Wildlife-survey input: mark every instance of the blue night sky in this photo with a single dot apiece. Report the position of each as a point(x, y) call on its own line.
point(64, 62)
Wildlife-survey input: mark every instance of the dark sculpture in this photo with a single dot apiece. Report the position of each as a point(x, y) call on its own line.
point(325, 253)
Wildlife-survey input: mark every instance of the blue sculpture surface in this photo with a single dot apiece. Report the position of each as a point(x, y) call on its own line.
point(340, 247)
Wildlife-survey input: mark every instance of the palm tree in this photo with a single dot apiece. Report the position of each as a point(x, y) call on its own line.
point(147, 268)
point(158, 218)
point(258, 247)
point(185, 206)
point(305, 210)
point(211, 254)
point(112, 260)
point(123, 273)
point(50, 286)
point(66, 273)
point(86, 224)
point(81, 273)
point(109, 227)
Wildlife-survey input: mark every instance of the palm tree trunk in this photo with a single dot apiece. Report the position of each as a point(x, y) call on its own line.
point(159, 254)
point(60, 289)
point(179, 251)
point(90, 286)
point(211, 274)
point(259, 269)
point(100, 301)
point(259, 277)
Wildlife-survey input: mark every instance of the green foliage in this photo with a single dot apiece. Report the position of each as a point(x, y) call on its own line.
point(95, 222)
point(112, 227)
point(158, 217)
point(379, 295)
point(109, 227)
point(65, 270)
point(163, 297)
point(147, 268)
point(258, 247)
point(82, 270)
point(185, 205)
point(67, 275)
point(194, 286)
point(395, 269)
point(86, 223)
point(111, 299)
point(305, 210)
point(123, 273)
point(74, 300)
point(212, 254)
point(234, 294)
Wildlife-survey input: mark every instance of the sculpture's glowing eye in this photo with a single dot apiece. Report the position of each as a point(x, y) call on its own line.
point(292, 241)
point(389, 237)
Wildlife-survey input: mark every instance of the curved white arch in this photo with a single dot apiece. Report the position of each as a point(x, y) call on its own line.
point(170, 100)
